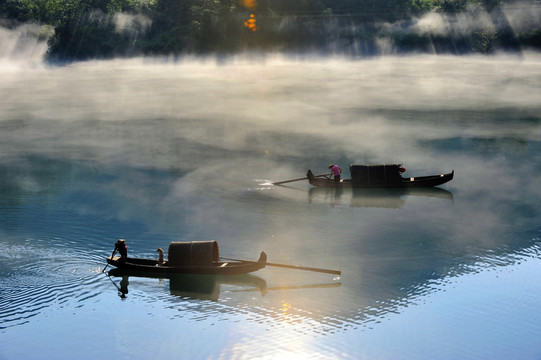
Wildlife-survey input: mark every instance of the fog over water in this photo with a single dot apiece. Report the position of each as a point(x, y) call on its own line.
point(156, 150)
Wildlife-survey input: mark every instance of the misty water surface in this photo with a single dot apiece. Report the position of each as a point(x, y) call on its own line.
point(156, 151)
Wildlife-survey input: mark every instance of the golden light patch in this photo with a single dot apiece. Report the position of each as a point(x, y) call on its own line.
point(250, 23)
point(286, 312)
point(249, 4)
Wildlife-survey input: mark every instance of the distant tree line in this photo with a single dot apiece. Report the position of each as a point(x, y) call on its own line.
point(88, 29)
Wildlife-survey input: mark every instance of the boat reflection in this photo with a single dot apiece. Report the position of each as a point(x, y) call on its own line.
point(375, 198)
point(203, 287)
point(208, 287)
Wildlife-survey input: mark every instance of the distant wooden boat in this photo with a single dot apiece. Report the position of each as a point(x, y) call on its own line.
point(379, 176)
point(197, 257)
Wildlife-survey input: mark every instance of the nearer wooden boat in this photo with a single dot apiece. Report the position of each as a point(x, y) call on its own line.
point(197, 257)
point(379, 176)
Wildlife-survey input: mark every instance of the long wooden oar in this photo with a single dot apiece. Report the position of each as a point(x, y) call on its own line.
point(296, 267)
point(304, 178)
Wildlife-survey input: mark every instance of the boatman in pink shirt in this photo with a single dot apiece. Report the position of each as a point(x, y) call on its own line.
point(336, 171)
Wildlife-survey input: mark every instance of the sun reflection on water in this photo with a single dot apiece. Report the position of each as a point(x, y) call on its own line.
point(285, 312)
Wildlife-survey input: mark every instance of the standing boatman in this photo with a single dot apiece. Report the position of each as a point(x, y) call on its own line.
point(336, 171)
point(121, 247)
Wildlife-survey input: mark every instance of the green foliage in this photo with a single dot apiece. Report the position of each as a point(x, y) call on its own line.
point(490, 4)
point(531, 39)
point(85, 29)
point(64, 10)
point(24, 10)
point(423, 6)
point(483, 41)
point(453, 6)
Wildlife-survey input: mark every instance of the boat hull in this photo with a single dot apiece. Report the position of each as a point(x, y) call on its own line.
point(151, 267)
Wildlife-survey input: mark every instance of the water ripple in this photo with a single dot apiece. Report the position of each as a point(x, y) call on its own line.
point(35, 279)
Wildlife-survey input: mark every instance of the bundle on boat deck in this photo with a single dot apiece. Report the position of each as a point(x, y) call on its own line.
point(365, 175)
point(193, 253)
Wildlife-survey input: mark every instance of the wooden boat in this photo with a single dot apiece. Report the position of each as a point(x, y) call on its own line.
point(195, 286)
point(197, 257)
point(379, 176)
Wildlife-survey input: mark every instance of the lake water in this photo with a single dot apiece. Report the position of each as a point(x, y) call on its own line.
point(156, 151)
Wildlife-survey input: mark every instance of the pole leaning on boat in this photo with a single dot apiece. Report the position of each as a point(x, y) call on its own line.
point(296, 267)
point(299, 179)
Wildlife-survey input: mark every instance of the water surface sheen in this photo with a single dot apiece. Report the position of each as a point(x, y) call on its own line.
point(155, 152)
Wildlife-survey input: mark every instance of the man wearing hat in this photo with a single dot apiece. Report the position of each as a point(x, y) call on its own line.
point(121, 247)
point(336, 171)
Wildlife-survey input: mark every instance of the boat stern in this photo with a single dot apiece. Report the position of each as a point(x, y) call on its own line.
point(262, 258)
